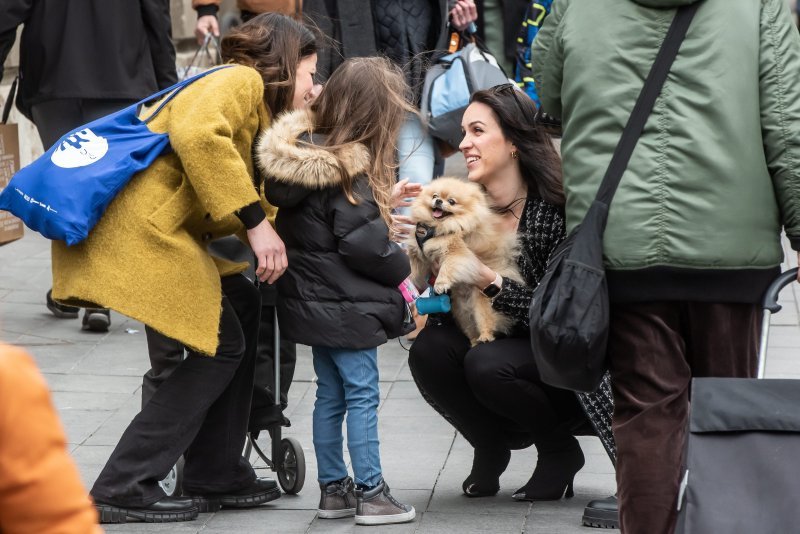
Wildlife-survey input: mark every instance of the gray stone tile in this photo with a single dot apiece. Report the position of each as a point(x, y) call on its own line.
point(81, 424)
point(470, 523)
point(89, 401)
point(268, 518)
point(93, 383)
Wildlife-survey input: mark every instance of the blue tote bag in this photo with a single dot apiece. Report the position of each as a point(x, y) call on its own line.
point(64, 192)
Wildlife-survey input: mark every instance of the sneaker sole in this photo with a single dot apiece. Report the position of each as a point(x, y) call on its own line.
point(600, 519)
point(115, 514)
point(336, 514)
point(210, 505)
point(61, 314)
point(97, 322)
point(386, 519)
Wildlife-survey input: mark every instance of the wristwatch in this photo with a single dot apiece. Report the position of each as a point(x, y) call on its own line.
point(493, 289)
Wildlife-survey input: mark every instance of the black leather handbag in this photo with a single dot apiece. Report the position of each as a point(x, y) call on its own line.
point(569, 314)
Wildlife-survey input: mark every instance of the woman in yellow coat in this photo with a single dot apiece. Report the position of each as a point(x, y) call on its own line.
point(147, 259)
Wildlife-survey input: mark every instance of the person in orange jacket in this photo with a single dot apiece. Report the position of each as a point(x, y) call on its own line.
point(40, 489)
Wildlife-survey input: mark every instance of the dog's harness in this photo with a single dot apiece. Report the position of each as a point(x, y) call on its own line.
point(422, 233)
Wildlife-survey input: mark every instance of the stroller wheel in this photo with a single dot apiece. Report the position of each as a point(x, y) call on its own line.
point(172, 484)
point(292, 466)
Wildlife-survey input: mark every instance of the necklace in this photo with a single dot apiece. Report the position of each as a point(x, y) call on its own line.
point(509, 208)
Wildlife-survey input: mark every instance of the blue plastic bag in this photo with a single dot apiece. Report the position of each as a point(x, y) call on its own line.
point(64, 192)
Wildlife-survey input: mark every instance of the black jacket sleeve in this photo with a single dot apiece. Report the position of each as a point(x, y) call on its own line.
point(364, 239)
point(158, 25)
point(15, 12)
point(544, 230)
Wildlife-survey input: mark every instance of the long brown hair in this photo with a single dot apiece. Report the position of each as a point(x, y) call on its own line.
point(272, 44)
point(365, 101)
point(539, 161)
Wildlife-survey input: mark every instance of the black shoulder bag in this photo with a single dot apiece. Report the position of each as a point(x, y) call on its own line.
point(569, 315)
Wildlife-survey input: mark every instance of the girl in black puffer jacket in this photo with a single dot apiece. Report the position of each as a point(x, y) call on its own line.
point(330, 171)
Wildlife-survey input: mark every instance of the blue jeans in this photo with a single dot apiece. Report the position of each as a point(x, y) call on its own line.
point(415, 153)
point(347, 382)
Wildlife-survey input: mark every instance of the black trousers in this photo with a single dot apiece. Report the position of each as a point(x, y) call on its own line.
point(492, 393)
point(201, 409)
point(54, 118)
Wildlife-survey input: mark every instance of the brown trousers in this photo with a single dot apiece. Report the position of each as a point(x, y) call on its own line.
point(655, 348)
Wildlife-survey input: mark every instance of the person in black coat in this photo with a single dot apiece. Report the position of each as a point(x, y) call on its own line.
point(330, 173)
point(80, 61)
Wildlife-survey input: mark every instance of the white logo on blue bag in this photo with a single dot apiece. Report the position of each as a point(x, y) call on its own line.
point(79, 150)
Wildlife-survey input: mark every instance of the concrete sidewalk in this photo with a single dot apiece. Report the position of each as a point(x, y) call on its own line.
point(96, 383)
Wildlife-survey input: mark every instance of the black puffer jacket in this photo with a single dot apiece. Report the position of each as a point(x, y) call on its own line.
point(340, 290)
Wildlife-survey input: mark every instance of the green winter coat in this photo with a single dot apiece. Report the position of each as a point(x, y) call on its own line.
point(716, 173)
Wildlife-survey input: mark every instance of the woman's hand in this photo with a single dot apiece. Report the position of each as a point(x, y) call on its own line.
point(463, 14)
point(401, 229)
point(205, 25)
point(269, 250)
point(485, 276)
point(403, 190)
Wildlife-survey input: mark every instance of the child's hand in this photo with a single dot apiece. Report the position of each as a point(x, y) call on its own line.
point(402, 227)
point(403, 190)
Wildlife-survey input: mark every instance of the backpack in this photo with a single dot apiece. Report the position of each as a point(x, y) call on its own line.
point(449, 84)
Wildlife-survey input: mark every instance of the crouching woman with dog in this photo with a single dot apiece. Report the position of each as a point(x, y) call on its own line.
point(492, 392)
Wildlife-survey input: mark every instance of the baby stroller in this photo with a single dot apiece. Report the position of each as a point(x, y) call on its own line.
point(286, 457)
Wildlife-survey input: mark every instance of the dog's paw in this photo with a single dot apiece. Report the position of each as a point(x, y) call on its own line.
point(483, 338)
point(441, 287)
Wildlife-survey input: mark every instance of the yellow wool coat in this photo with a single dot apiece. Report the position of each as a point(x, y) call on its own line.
point(147, 257)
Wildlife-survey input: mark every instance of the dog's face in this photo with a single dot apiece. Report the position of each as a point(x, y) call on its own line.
point(450, 205)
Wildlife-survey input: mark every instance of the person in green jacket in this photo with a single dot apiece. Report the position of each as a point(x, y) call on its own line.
point(693, 235)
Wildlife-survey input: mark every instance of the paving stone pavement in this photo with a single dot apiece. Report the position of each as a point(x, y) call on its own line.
point(96, 383)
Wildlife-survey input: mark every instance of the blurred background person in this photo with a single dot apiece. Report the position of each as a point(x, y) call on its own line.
point(40, 488)
point(80, 61)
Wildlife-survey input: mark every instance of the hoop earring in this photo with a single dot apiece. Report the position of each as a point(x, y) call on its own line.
point(514, 154)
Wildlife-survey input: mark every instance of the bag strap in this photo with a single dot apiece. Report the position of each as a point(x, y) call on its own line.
point(204, 49)
point(644, 104)
point(175, 89)
point(10, 100)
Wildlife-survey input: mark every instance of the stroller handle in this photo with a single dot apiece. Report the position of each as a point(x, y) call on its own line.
point(770, 301)
point(770, 305)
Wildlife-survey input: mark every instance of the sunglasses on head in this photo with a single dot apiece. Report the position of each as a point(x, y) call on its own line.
point(513, 90)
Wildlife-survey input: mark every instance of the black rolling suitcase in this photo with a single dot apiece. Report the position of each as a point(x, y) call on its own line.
point(742, 462)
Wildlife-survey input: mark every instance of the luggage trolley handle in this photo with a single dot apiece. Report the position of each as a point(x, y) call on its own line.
point(770, 306)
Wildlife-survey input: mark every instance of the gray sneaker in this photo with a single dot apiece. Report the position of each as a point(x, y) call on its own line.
point(378, 507)
point(337, 500)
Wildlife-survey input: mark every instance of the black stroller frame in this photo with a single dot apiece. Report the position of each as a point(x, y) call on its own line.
point(288, 460)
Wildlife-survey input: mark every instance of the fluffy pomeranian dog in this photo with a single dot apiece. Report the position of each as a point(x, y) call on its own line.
point(456, 230)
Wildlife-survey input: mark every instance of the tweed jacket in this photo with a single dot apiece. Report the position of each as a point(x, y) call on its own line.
point(541, 229)
point(147, 257)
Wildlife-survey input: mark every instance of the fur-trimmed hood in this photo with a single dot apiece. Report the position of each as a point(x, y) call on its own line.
point(283, 159)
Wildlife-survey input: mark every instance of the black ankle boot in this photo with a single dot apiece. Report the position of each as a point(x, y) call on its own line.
point(554, 473)
point(487, 466)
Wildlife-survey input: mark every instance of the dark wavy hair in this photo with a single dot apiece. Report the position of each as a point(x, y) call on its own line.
point(539, 161)
point(273, 44)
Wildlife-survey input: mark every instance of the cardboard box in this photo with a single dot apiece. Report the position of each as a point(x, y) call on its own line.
point(11, 228)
